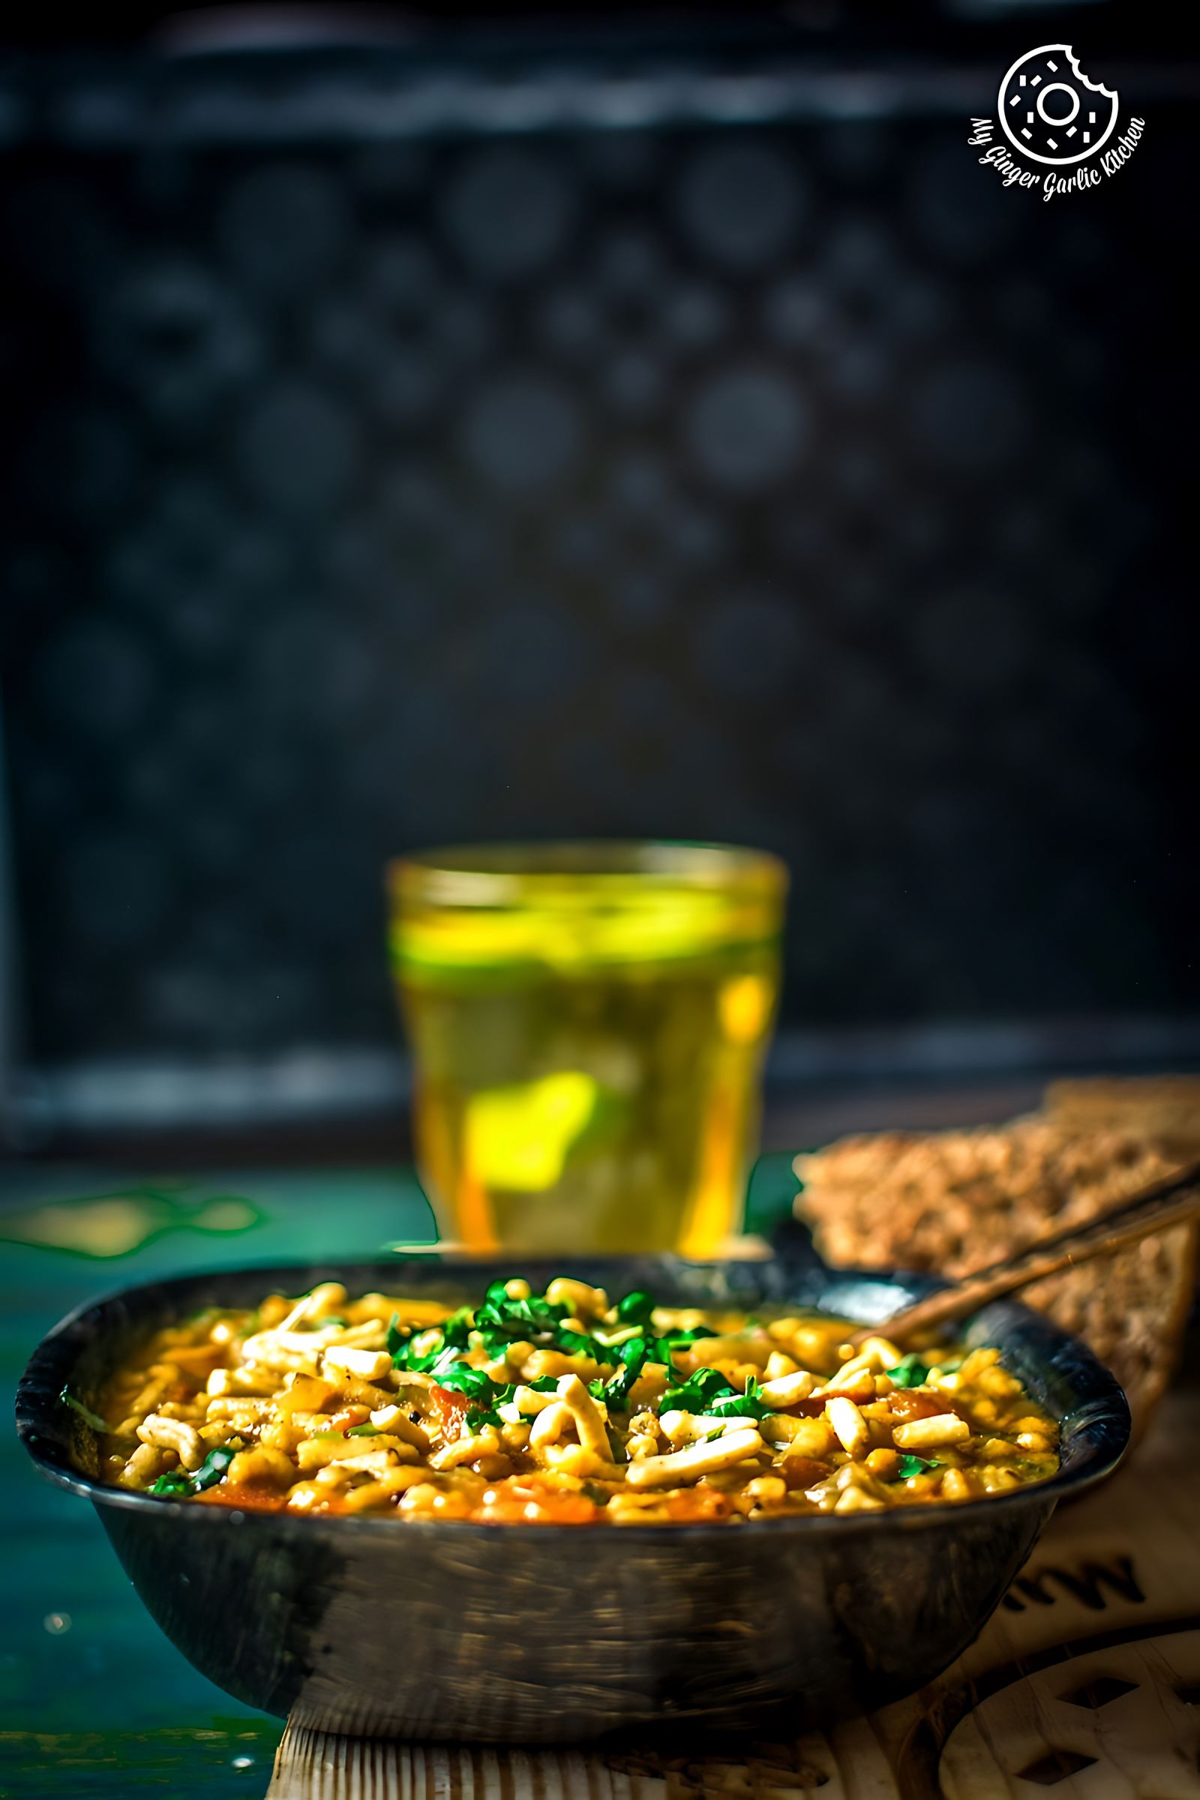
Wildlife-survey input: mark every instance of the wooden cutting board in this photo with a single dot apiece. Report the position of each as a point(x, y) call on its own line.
point(1085, 1685)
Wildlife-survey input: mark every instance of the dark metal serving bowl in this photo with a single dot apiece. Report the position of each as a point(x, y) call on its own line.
point(559, 1633)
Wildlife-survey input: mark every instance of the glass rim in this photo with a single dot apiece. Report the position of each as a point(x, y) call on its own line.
point(509, 873)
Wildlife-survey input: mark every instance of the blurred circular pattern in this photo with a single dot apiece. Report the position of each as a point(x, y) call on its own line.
point(522, 434)
point(916, 306)
point(633, 380)
point(798, 314)
point(694, 537)
point(748, 646)
point(971, 640)
point(695, 315)
point(856, 151)
point(746, 428)
point(741, 203)
point(645, 701)
point(321, 886)
point(620, 159)
point(569, 320)
point(403, 278)
point(641, 596)
point(858, 258)
point(969, 417)
point(298, 449)
point(1020, 304)
point(641, 482)
point(254, 561)
point(507, 212)
point(961, 216)
point(462, 327)
point(1022, 528)
point(859, 370)
point(175, 336)
point(529, 654)
point(285, 227)
point(862, 591)
point(372, 491)
point(390, 168)
point(95, 680)
point(116, 889)
point(406, 387)
point(309, 665)
point(80, 464)
point(861, 472)
point(340, 334)
point(629, 267)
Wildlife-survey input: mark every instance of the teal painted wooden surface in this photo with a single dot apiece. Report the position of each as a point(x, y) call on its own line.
point(770, 1192)
point(93, 1699)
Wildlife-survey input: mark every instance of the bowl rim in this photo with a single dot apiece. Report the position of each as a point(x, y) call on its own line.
point(1101, 1438)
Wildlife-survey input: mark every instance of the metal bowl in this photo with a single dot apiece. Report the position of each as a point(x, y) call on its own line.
point(558, 1633)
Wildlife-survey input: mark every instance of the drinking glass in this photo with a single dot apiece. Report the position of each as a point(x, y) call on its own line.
point(588, 1024)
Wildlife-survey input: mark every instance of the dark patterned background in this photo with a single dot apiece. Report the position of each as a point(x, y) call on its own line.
point(389, 479)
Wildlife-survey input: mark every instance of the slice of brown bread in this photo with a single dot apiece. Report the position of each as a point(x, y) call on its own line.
point(1163, 1108)
point(955, 1201)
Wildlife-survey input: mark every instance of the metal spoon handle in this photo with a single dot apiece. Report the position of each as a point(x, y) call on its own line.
point(1164, 1203)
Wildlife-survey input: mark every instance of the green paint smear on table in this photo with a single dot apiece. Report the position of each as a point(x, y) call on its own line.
point(226, 1757)
point(127, 1219)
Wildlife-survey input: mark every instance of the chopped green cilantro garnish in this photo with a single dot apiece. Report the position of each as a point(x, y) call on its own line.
point(698, 1393)
point(213, 1469)
point(576, 1343)
point(175, 1482)
point(743, 1406)
point(633, 1354)
point(636, 1308)
point(910, 1372)
point(461, 1378)
point(912, 1465)
point(500, 1312)
point(404, 1355)
point(456, 1330)
point(502, 1320)
point(178, 1482)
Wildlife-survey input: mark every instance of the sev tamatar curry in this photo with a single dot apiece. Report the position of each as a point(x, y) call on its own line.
point(557, 1408)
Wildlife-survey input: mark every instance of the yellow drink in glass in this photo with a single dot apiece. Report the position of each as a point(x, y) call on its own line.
point(588, 1024)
